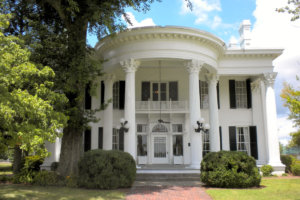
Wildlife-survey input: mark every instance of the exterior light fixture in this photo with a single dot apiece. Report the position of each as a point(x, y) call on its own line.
point(201, 126)
point(124, 125)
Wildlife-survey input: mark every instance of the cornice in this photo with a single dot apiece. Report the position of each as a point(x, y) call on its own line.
point(163, 33)
point(253, 53)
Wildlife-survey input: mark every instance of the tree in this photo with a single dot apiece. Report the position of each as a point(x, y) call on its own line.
point(293, 8)
point(29, 108)
point(66, 23)
point(295, 141)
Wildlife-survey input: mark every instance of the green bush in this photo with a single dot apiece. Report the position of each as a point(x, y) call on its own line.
point(229, 169)
point(106, 169)
point(54, 166)
point(296, 169)
point(288, 160)
point(72, 181)
point(48, 178)
point(267, 170)
point(30, 169)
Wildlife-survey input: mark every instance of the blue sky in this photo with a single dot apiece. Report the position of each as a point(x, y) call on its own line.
point(222, 18)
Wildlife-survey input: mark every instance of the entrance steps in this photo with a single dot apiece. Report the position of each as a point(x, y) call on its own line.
point(167, 177)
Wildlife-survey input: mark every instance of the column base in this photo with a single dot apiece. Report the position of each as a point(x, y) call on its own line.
point(194, 166)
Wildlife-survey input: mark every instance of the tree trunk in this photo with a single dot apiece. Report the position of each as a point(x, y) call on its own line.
point(17, 163)
point(71, 151)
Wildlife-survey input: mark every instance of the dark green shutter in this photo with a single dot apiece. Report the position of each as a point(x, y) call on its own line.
point(220, 132)
point(88, 98)
point(201, 100)
point(100, 138)
point(253, 142)
point(87, 140)
point(121, 140)
point(218, 95)
point(145, 91)
point(102, 92)
point(232, 93)
point(121, 95)
point(173, 91)
point(249, 95)
point(232, 138)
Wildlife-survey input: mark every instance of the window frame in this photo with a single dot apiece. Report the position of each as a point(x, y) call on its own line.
point(243, 146)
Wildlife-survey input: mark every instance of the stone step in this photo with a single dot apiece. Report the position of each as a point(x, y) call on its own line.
point(167, 177)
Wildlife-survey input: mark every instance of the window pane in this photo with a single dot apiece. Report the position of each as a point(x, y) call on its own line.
point(173, 91)
point(177, 128)
point(177, 145)
point(205, 142)
point(241, 94)
point(142, 145)
point(155, 91)
point(116, 95)
point(203, 94)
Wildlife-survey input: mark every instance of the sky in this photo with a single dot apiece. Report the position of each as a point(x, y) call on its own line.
point(222, 18)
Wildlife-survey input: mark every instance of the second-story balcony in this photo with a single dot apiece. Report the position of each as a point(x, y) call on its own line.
point(163, 106)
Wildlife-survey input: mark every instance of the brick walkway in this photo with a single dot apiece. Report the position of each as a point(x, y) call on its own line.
point(167, 193)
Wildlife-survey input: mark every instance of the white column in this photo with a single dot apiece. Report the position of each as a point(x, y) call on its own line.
point(271, 121)
point(214, 136)
point(108, 112)
point(130, 66)
point(194, 68)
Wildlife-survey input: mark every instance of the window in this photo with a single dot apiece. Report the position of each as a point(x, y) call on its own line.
point(116, 95)
point(205, 142)
point(177, 145)
point(117, 140)
point(159, 128)
point(203, 94)
point(177, 128)
point(87, 140)
point(142, 145)
point(142, 128)
point(160, 91)
point(243, 141)
point(88, 98)
point(100, 138)
point(240, 94)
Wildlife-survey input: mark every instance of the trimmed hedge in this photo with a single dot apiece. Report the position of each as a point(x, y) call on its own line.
point(229, 169)
point(48, 178)
point(267, 170)
point(288, 160)
point(106, 169)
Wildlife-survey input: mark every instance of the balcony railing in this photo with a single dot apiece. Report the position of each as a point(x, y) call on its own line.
point(164, 106)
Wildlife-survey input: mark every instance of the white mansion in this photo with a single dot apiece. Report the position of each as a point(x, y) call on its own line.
point(163, 80)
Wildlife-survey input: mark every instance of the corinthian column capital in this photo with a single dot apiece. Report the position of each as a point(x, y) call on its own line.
point(194, 66)
point(269, 78)
point(212, 78)
point(130, 65)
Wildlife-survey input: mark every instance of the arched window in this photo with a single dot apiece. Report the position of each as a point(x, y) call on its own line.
point(159, 128)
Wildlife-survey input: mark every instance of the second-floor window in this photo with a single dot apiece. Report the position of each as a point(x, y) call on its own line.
point(155, 91)
point(119, 95)
point(203, 89)
point(240, 94)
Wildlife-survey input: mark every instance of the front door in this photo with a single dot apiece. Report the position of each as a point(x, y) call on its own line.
point(160, 151)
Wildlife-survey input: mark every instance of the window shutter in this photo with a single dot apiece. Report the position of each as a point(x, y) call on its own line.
point(249, 94)
point(145, 91)
point(232, 93)
point(173, 91)
point(88, 98)
point(201, 100)
point(253, 142)
point(102, 92)
point(100, 138)
point(232, 138)
point(155, 91)
point(220, 132)
point(121, 140)
point(87, 140)
point(121, 95)
point(218, 94)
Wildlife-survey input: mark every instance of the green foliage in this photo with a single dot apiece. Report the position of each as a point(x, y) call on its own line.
point(292, 8)
point(284, 174)
point(48, 178)
point(296, 168)
point(295, 141)
point(106, 169)
point(288, 160)
point(267, 170)
point(54, 166)
point(71, 181)
point(229, 170)
point(30, 169)
point(6, 178)
point(27, 102)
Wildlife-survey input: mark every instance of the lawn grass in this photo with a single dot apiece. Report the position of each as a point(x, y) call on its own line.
point(26, 192)
point(275, 189)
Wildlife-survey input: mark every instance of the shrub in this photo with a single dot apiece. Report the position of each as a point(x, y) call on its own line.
point(229, 170)
point(30, 169)
point(72, 181)
point(288, 160)
point(106, 169)
point(296, 169)
point(54, 166)
point(267, 170)
point(48, 178)
point(285, 174)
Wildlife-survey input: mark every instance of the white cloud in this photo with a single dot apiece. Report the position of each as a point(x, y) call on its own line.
point(201, 8)
point(217, 22)
point(275, 30)
point(135, 23)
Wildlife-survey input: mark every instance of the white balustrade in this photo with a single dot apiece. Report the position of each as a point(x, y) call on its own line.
point(161, 105)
